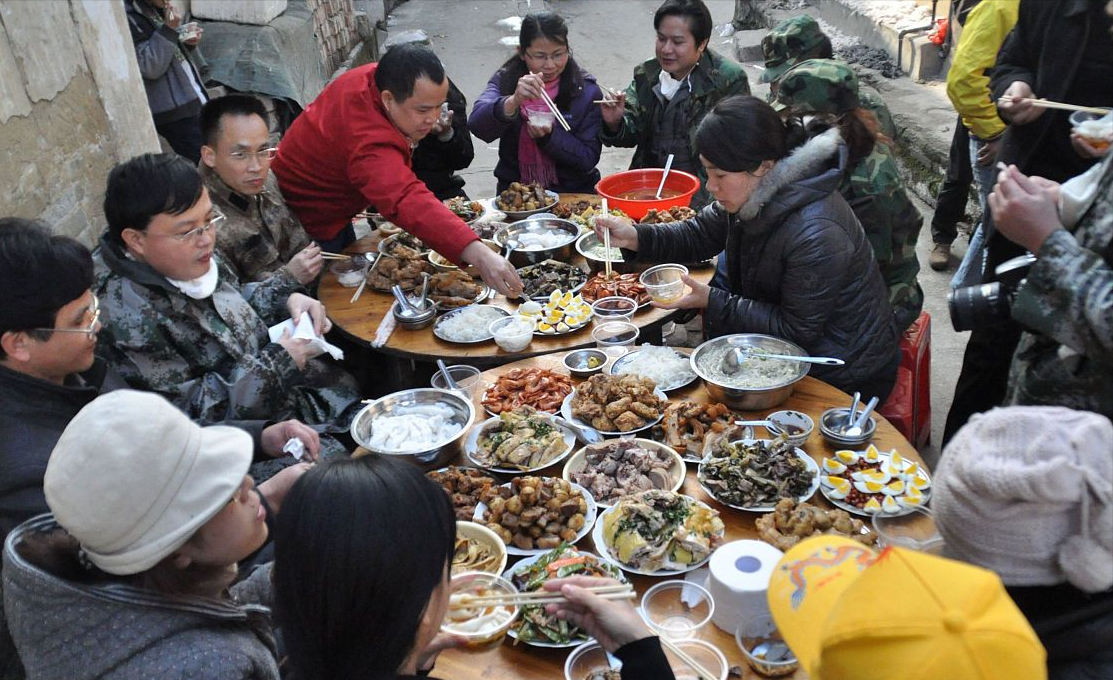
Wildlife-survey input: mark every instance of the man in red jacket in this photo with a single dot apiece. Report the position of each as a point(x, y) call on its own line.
point(352, 147)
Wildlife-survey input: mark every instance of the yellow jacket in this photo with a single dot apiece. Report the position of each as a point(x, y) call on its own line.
point(968, 81)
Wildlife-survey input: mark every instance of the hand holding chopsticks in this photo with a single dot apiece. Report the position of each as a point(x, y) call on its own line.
point(1048, 104)
point(620, 591)
point(552, 107)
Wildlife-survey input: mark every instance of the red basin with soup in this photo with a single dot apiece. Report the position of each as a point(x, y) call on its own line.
point(635, 191)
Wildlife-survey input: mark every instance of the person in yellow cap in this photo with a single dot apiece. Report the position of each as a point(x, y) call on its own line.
point(849, 612)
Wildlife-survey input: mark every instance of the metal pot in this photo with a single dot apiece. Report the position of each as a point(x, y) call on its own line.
point(364, 422)
point(521, 258)
point(743, 398)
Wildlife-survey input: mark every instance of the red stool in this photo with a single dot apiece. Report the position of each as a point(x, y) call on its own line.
point(908, 407)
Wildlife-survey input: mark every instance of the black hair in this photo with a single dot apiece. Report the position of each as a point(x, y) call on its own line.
point(552, 27)
point(742, 131)
point(855, 130)
point(149, 185)
point(360, 546)
point(39, 273)
point(403, 65)
point(228, 105)
point(697, 14)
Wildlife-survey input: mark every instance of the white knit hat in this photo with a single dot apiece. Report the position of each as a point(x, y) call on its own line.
point(132, 478)
point(1027, 491)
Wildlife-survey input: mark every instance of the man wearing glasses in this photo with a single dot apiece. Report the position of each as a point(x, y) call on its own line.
point(177, 320)
point(259, 237)
point(48, 372)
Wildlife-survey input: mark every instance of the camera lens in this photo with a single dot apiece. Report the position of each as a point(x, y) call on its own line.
point(974, 303)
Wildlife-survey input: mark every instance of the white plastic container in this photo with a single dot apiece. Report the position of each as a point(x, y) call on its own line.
point(513, 333)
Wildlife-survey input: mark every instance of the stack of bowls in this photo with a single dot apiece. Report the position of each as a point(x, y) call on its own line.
point(833, 423)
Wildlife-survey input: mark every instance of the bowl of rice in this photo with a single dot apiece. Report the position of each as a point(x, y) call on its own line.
point(759, 383)
point(665, 366)
point(469, 324)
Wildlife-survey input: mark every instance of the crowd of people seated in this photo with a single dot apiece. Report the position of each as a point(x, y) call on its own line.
point(154, 523)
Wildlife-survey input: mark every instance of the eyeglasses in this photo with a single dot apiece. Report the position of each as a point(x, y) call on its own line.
point(554, 57)
point(261, 155)
point(197, 231)
point(91, 331)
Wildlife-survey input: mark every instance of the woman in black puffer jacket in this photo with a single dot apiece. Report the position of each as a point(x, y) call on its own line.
point(798, 263)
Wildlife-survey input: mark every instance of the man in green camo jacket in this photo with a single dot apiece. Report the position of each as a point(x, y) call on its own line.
point(873, 187)
point(799, 39)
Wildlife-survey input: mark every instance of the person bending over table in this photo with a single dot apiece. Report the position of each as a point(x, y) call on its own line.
point(352, 147)
point(178, 322)
point(799, 266)
point(563, 161)
point(363, 550)
point(670, 94)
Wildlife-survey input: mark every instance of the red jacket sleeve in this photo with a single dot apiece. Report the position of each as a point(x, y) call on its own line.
point(379, 165)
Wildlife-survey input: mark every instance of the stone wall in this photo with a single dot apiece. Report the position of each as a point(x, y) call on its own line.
point(72, 105)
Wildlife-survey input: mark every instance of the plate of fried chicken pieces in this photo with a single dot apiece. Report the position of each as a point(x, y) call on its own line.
point(615, 404)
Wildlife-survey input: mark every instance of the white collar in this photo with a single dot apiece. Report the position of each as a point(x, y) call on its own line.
point(201, 287)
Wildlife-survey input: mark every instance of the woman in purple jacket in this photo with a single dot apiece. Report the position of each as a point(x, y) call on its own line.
point(539, 150)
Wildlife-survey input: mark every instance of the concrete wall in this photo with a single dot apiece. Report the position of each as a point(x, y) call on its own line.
point(72, 105)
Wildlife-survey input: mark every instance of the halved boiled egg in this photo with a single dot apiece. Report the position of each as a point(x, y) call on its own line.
point(869, 487)
point(562, 327)
point(871, 475)
point(530, 308)
point(833, 466)
point(871, 454)
point(565, 299)
point(872, 506)
point(554, 298)
point(839, 488)
point(846, 457)
point(910, 501)
point(910, 472)
point(920, 482)
point(895, 466)
point(894, 488)
point(890, 506)
point(544, 327)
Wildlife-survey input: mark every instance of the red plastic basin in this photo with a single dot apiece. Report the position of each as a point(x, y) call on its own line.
point(647, 180)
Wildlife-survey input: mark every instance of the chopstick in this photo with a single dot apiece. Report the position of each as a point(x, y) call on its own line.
point(363, 284)
point(607, 242)
point(554, 109)
point(702, 672)
point(618, 592)
point(1047, 104)
point(335, 256)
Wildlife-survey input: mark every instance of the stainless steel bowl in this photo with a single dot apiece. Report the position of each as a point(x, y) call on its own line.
point(520, 258)
point(515, 215)
point(577, 362)
point(415, 322)
point(464, 413)
point(750, 399)
point(833, 421)
point(589, 241)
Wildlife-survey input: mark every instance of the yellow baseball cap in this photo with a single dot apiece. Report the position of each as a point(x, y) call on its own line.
point(849, 612)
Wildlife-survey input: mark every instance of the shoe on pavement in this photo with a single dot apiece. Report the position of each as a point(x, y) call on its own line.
point(940, 256)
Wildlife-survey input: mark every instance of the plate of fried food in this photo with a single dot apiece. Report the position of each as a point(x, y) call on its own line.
point(623, 467)
point(404, 246)
point(519, 201)
point(455, 289)
point(537, 627)
point(677, 213)
point(469, 211)
point(582, 213)
point(755, 474)
point(792, 521)
point(622, 285)
point(615, 404)
point(692, 428)
point(658, 533)
point(533, 515)
point(520, 440)
point(540, 388)
point(406, 272)
point(464, 485)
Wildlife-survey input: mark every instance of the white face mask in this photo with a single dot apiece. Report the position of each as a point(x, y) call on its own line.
point(669, 85)
point(201, 287)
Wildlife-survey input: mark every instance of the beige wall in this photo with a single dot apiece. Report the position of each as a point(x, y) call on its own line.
point(72, 105)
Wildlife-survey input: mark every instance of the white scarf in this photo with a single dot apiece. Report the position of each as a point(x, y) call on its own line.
point(201, 287)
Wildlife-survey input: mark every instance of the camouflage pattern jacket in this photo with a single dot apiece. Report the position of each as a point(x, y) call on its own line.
point(259, 234)
point(892, 224)
point(1066, 356)
point(713, 79)
point(211, 357)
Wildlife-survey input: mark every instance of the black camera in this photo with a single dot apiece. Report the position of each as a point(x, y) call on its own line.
point(974, 304)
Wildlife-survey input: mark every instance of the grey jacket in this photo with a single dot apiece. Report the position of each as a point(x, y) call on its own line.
point(75, 631)
point(799, 267)
point(165, 64)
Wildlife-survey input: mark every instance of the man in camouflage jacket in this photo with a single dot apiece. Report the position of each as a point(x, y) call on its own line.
point(260, 236)
point(713, 78)
point(873, 187)
point(1065, 355)
point(799, 39)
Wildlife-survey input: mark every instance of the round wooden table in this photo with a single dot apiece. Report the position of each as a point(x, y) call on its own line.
point(509, 661)
point(359, 320)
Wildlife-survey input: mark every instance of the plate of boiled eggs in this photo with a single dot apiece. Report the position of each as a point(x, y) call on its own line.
point(871, 482)
point(562, 313)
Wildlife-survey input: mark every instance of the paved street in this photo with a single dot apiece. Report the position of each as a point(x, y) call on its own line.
point(609, 37)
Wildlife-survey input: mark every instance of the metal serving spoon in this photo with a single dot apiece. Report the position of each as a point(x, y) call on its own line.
point(856, 429)
point(587, 435)
point(737, 356)
point(447, 376)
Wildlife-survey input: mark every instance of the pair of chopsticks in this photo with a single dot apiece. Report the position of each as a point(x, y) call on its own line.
point(609, 96)
point(540, 597)
point(607, 243)
point(363, 283)
point(1047, 104)
point(553, 108)
point(702, 672)
point(335, 256)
